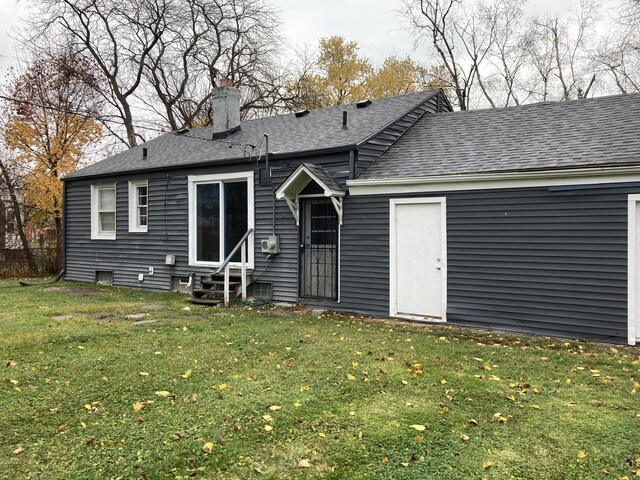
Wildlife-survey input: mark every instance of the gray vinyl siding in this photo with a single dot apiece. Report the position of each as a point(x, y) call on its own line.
point(370, 151)
point(526, 260)
point(133, 253)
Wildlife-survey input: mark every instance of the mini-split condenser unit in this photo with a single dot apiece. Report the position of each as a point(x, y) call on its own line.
point(270, 245)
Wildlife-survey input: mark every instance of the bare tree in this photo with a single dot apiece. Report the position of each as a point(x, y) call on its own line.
point(434, 20)
point(160, 58)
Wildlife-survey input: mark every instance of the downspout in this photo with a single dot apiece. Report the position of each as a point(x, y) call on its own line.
point(64, 226)
point(352, 164)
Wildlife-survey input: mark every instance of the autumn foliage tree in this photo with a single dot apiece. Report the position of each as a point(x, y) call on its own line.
point(340, 75)
point(49, 125)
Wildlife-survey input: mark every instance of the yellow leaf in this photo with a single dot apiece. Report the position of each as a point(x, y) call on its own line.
point(305, 388)
point(297, 404)
point(143, 374)
point(304, 463)
point(208, 447)
point(138, 406)
point(87, 406)
point(15, 382)
point(186, 374)
point(487, 464)
point(267, 417)
point(404, 382)
point(443, 381)
point(222, 386)
point(536, 406)
point(473, 421)
point(464, 437)
point(359, 435)
point(268, 428)
point(581, 454)
point(163, 393)
point(512, 398)
point(352, 413)
point(419, 428)
point(354, 364)
point(350, 377)
point(275, 408)
point(322, 435)
point(486, 367)
point(404, 464)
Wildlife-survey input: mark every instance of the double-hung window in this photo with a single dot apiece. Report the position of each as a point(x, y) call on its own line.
point(220, 212)
point(138, 206)
point(103, 211)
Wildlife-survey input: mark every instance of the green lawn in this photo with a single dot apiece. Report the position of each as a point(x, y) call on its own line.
point(97, 396)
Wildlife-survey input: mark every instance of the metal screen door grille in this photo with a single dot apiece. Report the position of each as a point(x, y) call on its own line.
point(319, 249)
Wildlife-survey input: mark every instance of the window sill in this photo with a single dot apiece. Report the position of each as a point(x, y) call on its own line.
point(104, 236)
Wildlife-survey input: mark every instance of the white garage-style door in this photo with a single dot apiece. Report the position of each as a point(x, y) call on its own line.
point(417, 263)
point(633, 270)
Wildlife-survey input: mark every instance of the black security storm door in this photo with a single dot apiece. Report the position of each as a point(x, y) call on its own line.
point(319, 249)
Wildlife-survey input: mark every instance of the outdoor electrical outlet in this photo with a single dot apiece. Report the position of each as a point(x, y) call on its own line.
point(141, 277)
point(150, 270)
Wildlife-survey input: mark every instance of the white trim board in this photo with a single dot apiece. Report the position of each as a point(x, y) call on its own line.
point(487, 181)
point(632, 279)
point(393, 262)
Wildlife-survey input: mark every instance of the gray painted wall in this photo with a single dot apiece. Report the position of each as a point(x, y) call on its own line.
point(133, 253)
point(527, 260)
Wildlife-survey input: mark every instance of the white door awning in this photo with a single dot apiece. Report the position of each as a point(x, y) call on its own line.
point(305, 174)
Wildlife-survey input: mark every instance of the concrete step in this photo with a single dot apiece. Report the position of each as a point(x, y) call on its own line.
point(205, 301)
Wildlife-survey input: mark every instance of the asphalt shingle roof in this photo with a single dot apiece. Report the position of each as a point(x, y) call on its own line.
point(593, 132)
point(319, 129)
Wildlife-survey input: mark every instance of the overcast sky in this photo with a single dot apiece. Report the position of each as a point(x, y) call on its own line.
point(374, 24)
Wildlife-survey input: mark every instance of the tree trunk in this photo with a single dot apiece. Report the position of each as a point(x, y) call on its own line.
point(33, 268)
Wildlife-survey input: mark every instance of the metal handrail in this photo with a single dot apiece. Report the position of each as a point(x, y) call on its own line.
point(235, 249)
point(242, 245)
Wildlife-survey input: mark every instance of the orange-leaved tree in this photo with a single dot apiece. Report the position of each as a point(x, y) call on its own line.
point(49, 123)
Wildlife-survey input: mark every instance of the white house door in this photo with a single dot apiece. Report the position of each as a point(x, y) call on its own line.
point(418, 258)
point(634, 269)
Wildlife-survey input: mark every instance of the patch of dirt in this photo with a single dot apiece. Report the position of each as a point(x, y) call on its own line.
point(62, 317)
point(74, 290)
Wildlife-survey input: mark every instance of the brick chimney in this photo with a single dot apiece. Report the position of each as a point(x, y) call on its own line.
point(225, 104)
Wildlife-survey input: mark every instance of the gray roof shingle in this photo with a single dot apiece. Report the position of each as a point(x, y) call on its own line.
point(319, 129)
point(593, 132)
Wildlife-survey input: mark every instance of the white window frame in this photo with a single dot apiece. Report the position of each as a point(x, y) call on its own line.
point(134, 207)
point(193, 181)
point(96, 233)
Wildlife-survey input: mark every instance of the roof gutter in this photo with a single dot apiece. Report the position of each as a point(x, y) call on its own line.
point(495, 180)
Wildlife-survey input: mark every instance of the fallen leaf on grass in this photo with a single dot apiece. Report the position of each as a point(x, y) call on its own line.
point(350, 377)
point(15, 382)
point(186, 374)
point(177, 436)
point(18, 451)
point(208, 447)
point(305, 388)
point(11, 363)
point(143, 374)
point(581, 454)
point(268, 428)
point(304, 463)
point(419, 428)
point(419, 438)
point(487, 464)
point(163, 393)
point(473, 421)
point(384, 460)
point(275, 408)
point(464, 437)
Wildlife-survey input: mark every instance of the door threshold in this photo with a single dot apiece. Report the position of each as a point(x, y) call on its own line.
point(420, 318)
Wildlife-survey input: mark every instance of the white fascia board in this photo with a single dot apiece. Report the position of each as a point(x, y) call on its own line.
point(488, 181)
